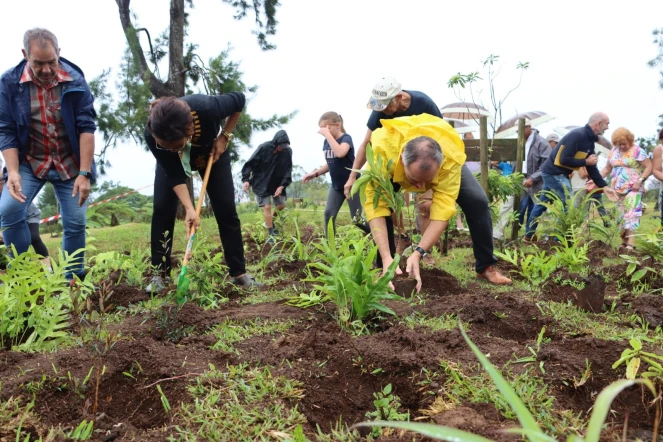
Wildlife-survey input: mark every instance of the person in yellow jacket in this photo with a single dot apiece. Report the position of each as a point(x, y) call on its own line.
point(427, 154)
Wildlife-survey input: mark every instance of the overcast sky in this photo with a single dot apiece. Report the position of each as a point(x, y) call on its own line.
point(584, 56)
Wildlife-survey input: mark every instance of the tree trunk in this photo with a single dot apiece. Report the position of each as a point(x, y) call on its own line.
point(176, 76)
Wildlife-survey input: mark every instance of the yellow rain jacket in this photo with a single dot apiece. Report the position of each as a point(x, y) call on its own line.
point(389, 141)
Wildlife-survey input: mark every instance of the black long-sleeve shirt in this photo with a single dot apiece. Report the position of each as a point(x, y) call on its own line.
point(571, 153)
point(208, 112)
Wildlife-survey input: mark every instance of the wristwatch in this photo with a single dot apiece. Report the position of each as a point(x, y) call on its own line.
point(228, 136)
point(421, 251)
point(85, 173)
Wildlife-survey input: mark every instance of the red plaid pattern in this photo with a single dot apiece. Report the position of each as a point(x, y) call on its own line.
point(49, 143)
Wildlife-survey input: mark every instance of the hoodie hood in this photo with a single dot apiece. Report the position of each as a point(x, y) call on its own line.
point(281, 137)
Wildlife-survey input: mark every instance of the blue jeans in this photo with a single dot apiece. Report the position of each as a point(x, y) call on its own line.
point(554, 183)
point(526, 205)
point(14, 215)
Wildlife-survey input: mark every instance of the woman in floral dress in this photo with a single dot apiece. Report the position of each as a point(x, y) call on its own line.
point(629, 167)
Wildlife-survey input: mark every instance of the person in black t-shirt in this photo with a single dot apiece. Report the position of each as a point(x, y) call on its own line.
point(339, 154)
point(181, 134)
point(389, 100)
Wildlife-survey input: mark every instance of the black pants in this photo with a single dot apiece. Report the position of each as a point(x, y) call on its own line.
point(221, 191)
point(35, 240)
point(474, 204)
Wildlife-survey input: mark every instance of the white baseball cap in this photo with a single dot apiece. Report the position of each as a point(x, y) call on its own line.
point(383, 92)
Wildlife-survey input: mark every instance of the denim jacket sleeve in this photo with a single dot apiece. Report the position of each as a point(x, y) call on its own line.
point(84, 112)
point(8, 128)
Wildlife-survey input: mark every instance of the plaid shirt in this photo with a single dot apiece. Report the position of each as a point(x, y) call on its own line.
point(49, 143)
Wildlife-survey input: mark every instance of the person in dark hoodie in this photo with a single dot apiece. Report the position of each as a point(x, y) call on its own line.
point(182, 133)
point(269, 173)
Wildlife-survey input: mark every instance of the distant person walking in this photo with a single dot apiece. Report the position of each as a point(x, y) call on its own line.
point(339, 154)
point(269, 172)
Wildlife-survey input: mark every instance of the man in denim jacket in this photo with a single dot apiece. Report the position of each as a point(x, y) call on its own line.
point(46, 134)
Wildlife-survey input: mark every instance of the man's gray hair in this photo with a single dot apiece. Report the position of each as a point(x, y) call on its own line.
point(424, 149)
point(42, 36)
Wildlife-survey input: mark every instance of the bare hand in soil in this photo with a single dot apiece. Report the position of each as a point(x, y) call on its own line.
point(412, 269)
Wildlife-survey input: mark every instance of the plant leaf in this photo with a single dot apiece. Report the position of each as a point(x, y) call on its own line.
point(438, 432)
point(524, 416)
point(603, 402)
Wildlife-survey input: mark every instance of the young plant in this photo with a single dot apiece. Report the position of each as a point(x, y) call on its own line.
point(570, 254)
point(567, 214)
point(34, 306)
point(345, 275)
point(386, 405)
point(379, 174)
point(537, 268)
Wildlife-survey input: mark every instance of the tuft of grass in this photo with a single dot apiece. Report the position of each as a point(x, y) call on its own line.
point(435, 323)
point(230, 332)
point(272, 295)
point(244, 403)
point(611, 326)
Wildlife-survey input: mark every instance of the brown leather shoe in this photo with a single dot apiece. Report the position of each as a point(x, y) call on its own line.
point(492, 275)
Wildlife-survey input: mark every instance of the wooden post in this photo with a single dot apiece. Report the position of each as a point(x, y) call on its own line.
point(520, 156)
point(483, 146)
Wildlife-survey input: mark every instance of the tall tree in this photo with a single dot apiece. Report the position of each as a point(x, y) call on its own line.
point(140, 79)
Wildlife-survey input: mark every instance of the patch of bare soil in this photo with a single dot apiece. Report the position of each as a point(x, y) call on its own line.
point(340, 373)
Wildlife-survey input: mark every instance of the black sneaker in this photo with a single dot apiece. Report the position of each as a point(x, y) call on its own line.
point(246, 281)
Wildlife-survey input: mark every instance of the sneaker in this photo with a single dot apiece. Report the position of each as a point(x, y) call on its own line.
point(246, 280)
point(270, 240)
point(156, 285)
point(492, 275)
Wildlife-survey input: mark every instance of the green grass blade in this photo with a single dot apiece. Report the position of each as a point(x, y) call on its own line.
point(438, 432)
point(525, 418)
point(603, 402)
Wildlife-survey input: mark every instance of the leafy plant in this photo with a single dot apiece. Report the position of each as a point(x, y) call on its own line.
point(635, 269)
point(206, 275)
point(34, 303)
point(346, 278)
point(570, 254)
point(386, 405)
point(379, 174)
point(536, 267)
point(530, 428)
point(567, 214)
point(501, 187)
